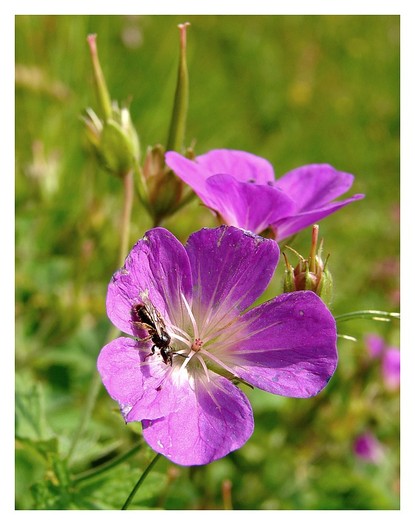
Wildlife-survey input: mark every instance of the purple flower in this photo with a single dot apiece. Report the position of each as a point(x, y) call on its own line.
point(375, 345)
point(390, 358)
point(368, 448)
point(391, 368)
point(192, 300)
point(242, 190)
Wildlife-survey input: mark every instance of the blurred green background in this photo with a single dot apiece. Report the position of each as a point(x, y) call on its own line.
point(293, 89)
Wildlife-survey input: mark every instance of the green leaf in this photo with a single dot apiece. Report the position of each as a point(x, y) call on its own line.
point(30, 413)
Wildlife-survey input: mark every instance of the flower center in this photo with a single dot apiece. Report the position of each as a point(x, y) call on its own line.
point(205, 348)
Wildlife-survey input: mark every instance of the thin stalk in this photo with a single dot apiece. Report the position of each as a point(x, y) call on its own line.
point(95, 385)
point(181, 98)
point(90, 400)
point(140, 482)
point(375, 315)
point(107, 466)
point(227, 494)
point(128, 182)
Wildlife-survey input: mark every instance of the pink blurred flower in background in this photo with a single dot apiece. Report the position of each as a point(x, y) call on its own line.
point(390, 358)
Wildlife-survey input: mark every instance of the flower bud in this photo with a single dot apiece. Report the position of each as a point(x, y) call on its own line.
point(166, 192)
point(112, 135)
point(310, 274)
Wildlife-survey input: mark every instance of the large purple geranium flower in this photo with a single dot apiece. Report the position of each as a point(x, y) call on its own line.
point(184, 393)
point(242, 189)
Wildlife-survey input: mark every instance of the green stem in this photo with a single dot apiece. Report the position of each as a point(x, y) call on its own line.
point(375, 315)
point(140, 482)
point(103, 95)
point(141, 186)
point(107, 466)
point(128, 182)
point(90, 401)
point(113, 332)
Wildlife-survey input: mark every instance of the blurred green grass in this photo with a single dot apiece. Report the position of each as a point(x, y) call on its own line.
point(293, 89)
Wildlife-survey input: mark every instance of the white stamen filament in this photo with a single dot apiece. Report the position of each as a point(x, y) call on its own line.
point(177, 329)
point(216, 360)
point(182, 339)
point(192, 318)
point(188, 358)
point(202, 362)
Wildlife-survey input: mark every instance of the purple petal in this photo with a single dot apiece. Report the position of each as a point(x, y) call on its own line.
point(315, 185)
point(143, 385)
point(288, 226)
point(214, 419)
point(249, 206)
point(289, 346)
point(218, 179)
point(157, 265)
point(243, 166)
point(192, 174)
point(231, 268)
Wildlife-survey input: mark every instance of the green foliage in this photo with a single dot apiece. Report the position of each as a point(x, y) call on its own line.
point(293, 89)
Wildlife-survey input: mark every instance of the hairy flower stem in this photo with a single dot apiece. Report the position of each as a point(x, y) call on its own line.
point(140, 481)
point(113, 331)
point(375, 315)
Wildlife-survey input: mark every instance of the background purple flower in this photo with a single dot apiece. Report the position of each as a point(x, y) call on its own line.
point(242, 190)
point(368, 448)
point(375, 345)
point(191, 411)
point(390, 358)
point(391, 368)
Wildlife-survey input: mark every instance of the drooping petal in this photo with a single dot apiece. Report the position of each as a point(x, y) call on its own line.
point(214, 419)
point(287, 346)
point(192, 174)
point(230, 270)
point(157, 266)
point(246, 205)
point(315, 185)
point(288, 226)
point(242, 166)
point(143, 385)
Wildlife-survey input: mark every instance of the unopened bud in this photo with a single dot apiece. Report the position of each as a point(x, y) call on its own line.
point(111, 132)
point(311, 273)
point(166, 192)
point(114, 140)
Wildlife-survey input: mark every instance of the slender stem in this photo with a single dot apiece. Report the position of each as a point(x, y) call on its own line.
point(103, 95)
point(227, 494)
point(95, 384)
point(107, 466)
point(141, 186)
point(376, 315)
point(313, 251)
point(181, 98)
point(140, 481)
point(128, 181)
